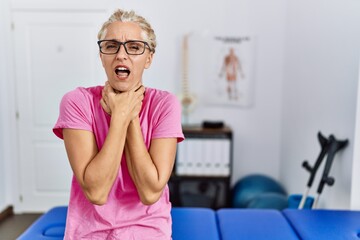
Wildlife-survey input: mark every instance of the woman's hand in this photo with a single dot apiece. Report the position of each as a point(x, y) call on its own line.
point(125, 103)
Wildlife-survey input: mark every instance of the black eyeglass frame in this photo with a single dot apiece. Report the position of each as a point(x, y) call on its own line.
point(124, 44)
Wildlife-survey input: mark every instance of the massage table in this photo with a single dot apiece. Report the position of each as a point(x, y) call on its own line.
point(231, 224)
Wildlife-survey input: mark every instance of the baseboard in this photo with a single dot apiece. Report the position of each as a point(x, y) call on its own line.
point(7, 212)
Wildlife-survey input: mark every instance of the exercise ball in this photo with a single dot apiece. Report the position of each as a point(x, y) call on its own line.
point(251, 186)
point(269, 200)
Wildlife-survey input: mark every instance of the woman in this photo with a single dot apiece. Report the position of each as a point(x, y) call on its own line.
point(121, 141)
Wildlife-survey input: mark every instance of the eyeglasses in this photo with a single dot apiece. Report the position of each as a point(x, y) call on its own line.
point(132, 47)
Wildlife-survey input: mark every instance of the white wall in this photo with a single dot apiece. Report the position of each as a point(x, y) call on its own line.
point(320, 88)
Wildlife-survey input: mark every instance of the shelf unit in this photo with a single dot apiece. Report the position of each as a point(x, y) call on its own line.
point(205, 180)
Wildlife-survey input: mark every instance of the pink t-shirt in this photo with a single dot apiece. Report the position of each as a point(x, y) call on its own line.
point(123, 216)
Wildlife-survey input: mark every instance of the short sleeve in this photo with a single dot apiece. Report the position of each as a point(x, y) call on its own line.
point(169, 122)
point(75, 112)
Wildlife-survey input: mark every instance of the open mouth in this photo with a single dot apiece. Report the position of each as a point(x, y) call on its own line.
point(122, 71)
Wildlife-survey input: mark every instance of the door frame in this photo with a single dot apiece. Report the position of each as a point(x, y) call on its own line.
point(355, 186)
point(8, 106)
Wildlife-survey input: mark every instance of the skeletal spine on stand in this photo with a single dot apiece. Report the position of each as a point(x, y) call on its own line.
point(187, 99)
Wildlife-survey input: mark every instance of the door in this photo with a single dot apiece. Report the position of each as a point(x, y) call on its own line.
point(54, 52)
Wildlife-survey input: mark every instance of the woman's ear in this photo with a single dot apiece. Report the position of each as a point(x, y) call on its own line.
point(149, 60)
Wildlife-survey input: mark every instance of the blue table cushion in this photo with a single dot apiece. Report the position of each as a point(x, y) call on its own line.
point(254, 224)
point(49, 226)
point(325, 224)
point(194, 224)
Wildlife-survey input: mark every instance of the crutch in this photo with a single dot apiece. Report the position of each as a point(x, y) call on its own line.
point(334, 146)
point(324, 148)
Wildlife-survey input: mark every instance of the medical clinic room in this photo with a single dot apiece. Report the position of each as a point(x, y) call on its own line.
point(179, 120)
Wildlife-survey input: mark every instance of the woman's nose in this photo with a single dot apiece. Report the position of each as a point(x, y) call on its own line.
point(121, 53)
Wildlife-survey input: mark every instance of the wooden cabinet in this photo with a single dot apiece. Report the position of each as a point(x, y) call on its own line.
point(202, 172)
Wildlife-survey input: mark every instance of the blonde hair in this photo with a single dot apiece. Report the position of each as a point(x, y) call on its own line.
point(148, 33)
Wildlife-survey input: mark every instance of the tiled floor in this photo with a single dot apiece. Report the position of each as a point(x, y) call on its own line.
point(16, 224)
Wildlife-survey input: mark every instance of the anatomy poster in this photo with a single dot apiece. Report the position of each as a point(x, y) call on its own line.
point(221, 69)
point(230, 71)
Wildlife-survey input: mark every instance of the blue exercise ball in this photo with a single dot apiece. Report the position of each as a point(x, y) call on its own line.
point(251, 186)
point(269, 200)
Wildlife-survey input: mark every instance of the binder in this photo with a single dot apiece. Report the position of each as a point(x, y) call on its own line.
point(204, 157)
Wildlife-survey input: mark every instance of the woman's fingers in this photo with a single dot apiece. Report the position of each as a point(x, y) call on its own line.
point(129, 102)
point(105, 106)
